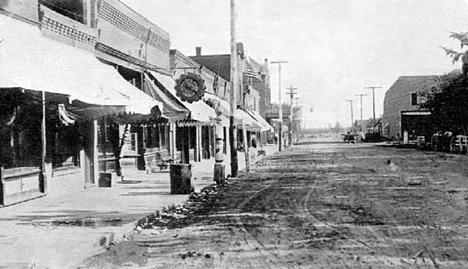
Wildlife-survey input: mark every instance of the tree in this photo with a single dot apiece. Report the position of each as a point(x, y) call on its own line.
point(338, 128)
point(455, 55)
point(448, 103)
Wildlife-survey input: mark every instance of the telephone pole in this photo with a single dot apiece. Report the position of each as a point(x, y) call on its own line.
point(352, 115)
point(280, 106)
point(373, 100)
point(297, 126)
point(361, 95)
point(291, 95)
point(233, 85)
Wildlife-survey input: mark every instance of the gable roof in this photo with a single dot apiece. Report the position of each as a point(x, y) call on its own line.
point(413, 83)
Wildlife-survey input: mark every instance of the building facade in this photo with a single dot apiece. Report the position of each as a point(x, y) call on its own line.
point(83, 64)
point(402, 107)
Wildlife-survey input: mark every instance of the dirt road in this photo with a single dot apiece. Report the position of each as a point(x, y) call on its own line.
point(317, 205)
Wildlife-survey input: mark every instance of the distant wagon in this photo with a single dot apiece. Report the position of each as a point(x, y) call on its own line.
point(351, 137)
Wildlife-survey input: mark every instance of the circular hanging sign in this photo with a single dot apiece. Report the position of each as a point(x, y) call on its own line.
point(190, 87)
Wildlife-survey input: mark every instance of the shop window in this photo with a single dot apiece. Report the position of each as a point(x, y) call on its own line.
point(20, 132)
point(66, 143)
point(71, 9)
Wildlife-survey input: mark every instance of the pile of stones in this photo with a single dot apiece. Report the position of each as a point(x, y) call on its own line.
point(176, 214)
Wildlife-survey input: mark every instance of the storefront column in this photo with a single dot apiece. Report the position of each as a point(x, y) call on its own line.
point(172, 139)
point(198, 143)
point(95, 159)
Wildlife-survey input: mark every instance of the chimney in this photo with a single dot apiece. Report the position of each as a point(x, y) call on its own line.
point(198, 51)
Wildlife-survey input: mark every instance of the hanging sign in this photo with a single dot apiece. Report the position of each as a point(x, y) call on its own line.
point(190, 87)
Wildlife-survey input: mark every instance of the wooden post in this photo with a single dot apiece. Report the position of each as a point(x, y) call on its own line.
point(95, 161)
point(233, 86)
point(172, 135)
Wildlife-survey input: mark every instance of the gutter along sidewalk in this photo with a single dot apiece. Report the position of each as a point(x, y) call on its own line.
point(62, 231)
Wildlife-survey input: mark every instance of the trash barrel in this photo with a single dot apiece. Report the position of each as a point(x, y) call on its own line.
point(105, 180)
point(180, 173)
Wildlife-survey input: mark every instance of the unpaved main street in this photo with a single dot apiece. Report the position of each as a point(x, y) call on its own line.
point(316, 205)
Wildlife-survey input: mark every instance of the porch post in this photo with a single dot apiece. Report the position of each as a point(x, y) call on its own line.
point(172, 142)
point(198, 143)
point(95, 160)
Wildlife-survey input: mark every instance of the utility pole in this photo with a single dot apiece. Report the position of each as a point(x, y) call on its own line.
point(352, 115)
point(373, 100)
point(297, 126)
point(361, 95)
point(233, 85)
point(291, 95)
point(280, 105)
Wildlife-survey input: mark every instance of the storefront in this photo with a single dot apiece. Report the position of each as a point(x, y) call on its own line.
point(190, 124)
point(52, 97)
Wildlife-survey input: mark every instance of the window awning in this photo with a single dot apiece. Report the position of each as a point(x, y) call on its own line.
point(264, 125)
point(33, 62)
point(199, 111)
point(241, 117)
point(173, 108)
point(219, 105)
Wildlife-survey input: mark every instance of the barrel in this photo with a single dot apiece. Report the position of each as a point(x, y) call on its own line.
point(181, 174)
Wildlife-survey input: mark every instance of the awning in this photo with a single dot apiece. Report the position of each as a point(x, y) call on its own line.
point(199, 111)
point(30, 61)
point(173, 108)
point(219, 105)
point(241, 117)
point(264, 125)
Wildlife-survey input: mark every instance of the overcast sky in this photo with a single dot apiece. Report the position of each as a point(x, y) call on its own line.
point(334, 48)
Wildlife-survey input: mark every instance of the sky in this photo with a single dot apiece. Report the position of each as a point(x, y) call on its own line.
point(334, 48)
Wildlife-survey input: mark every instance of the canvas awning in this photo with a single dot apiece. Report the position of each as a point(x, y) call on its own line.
point(219, 105)
point(173, 108)
point(33, 62)
point(199, 111)
point(264, 125)
point(241, 117)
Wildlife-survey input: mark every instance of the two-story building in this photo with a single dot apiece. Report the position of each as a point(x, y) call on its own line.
point(402, 108)
point(71, 80)
point(253, 95)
